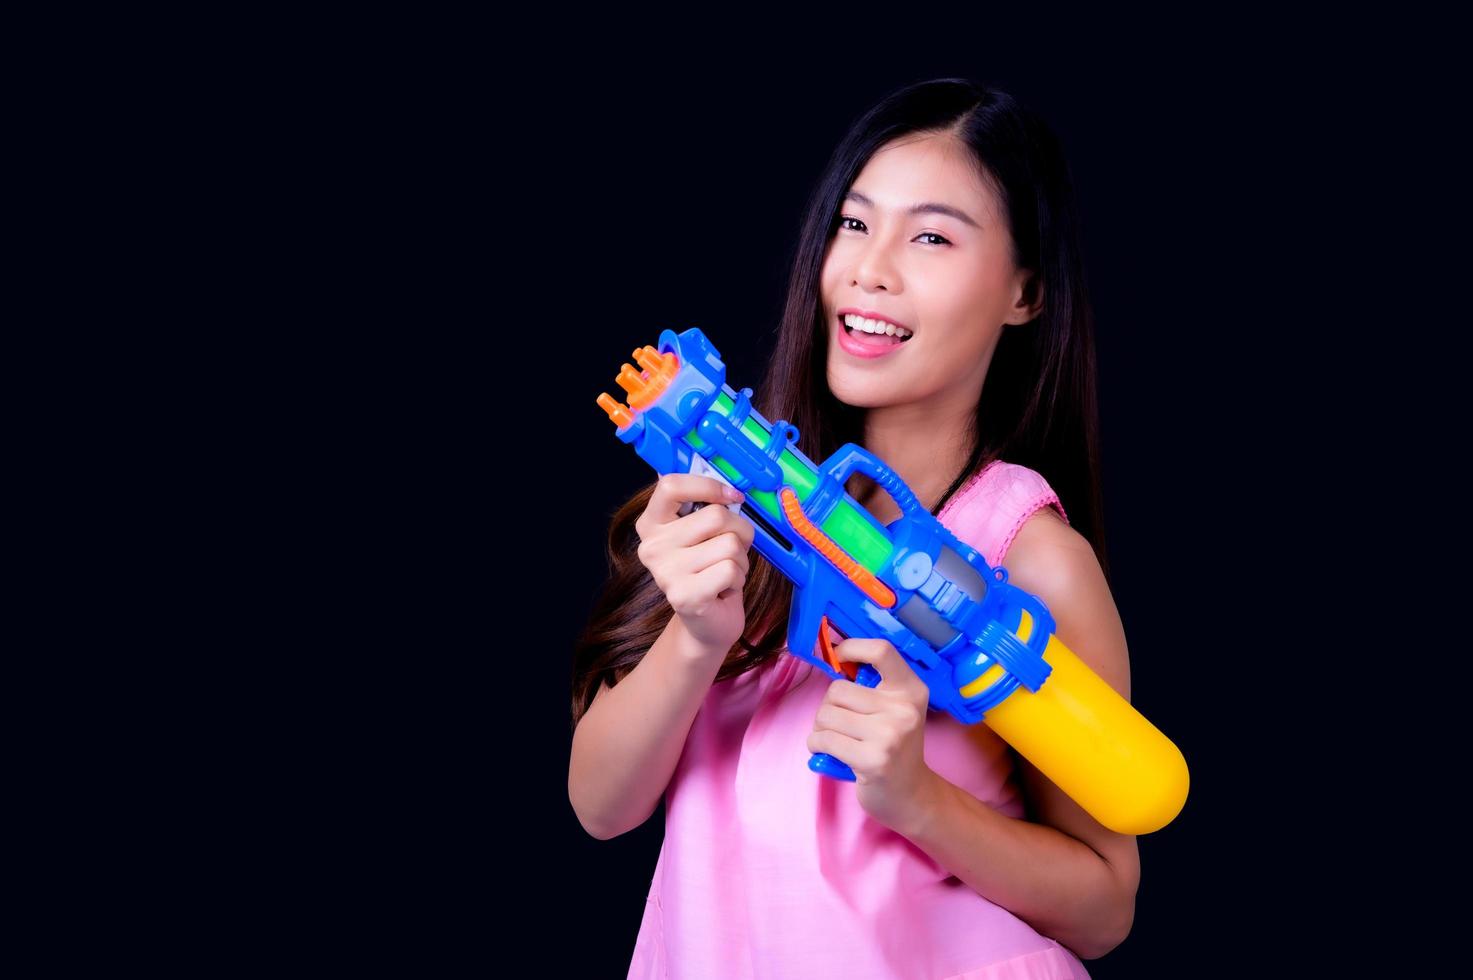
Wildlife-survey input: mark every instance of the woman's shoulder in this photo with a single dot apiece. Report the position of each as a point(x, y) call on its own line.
point(993, 507)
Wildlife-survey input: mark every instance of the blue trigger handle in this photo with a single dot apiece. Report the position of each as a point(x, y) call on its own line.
point(825, 764)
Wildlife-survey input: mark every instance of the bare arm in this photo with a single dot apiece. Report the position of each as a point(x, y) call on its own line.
point(628, 743)
point(1058, 870)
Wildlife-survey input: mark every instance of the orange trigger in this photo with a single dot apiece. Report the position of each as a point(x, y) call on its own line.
point(849, 668)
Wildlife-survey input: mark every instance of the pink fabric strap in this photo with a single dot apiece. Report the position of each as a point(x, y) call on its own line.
point(992, 509)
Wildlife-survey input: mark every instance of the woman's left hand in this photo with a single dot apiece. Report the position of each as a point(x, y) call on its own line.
point(879, 732)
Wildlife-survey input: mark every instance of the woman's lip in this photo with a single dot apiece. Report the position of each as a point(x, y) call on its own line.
point(858, 349)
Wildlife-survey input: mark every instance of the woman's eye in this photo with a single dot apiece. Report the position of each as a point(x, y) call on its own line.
point(924, 234)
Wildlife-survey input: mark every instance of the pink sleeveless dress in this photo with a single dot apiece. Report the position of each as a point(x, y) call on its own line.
point(770, 871)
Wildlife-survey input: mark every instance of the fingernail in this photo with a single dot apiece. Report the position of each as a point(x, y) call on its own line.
point(733, 494)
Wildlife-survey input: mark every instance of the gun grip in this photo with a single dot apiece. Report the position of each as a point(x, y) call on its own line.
point(825, 764)
point(857, 671)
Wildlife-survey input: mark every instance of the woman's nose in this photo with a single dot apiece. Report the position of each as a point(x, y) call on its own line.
point(873, 268)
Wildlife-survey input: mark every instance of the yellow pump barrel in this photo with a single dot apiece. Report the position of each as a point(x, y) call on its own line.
point(1091, 742)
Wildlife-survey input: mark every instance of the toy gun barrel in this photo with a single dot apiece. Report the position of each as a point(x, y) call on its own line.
point(985, 649)
point(764, 447)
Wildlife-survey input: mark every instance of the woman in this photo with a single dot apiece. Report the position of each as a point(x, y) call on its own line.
point(946, 217)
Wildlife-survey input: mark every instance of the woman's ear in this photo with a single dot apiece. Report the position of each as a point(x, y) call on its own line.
point(1028, 299)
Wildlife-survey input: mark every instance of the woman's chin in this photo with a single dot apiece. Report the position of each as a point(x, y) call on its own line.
point(861, 395)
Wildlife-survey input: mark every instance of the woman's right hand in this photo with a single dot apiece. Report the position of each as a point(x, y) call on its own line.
point(700, 560)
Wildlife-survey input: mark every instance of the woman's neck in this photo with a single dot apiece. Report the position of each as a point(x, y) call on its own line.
point(925, 451)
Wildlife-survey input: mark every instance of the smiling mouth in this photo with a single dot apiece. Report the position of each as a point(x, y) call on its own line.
point(872, 339)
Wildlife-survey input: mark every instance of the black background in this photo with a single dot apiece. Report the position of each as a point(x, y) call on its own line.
point(490, 232)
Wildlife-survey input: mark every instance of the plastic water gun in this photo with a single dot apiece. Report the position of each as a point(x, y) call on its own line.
point(986, 649)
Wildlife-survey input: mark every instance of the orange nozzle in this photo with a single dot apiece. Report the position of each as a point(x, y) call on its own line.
point(659, 369)
point(617, 412)
point(644, 387)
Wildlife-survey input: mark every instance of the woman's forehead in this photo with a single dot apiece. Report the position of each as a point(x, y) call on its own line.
point(902, 175)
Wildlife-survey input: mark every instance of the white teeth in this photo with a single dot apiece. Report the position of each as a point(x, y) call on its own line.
point(874, 326)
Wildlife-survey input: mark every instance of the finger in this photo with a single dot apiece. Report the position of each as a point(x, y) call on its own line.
point(711, 552)
point(847, 750)
point(747, 529)
point(720, 580)
point(854, 697)
point(705, 525)
point(738, 524)
point(731, 502)
point(832, 717)
point(740, 552)
point(674, 489)
point(896, 673)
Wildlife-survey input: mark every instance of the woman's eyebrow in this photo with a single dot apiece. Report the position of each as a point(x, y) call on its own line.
point(926, 207)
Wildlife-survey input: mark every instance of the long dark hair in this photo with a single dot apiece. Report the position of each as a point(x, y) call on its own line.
point(1038, 406)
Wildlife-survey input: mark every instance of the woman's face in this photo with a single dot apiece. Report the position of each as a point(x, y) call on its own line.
point(948, 278)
